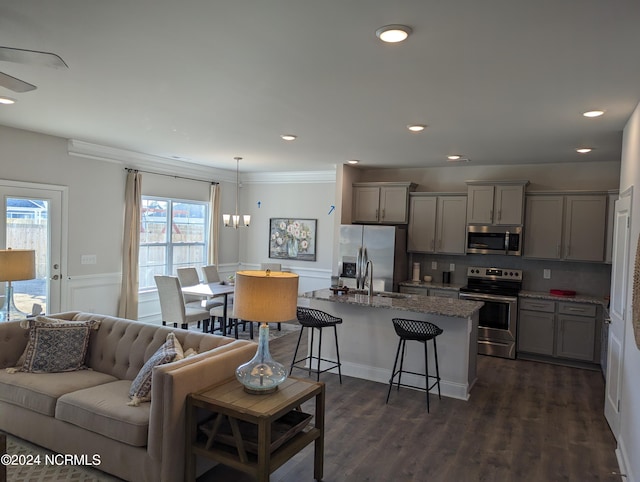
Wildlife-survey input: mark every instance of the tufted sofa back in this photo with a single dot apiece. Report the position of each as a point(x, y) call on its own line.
point(120, 347)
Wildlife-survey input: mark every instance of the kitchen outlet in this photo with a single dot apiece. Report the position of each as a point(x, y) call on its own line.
point(88, 259)
point(434, 265)
point(546, 274)
point(452, 267)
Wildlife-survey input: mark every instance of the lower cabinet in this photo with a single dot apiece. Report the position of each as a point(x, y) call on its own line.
point(424, 291)
point(561, 330)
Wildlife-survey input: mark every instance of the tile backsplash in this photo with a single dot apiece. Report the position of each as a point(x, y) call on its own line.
point(589, 279)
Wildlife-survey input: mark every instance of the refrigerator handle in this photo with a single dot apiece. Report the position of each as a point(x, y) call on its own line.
point(365, 260)
point(358, 266)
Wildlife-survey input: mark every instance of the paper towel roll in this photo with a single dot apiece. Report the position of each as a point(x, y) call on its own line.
point(416, 272)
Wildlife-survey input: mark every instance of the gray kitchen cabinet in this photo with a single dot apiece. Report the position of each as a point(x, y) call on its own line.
point(557, 330)
point(497, 203)
point(426, 291)
point(536, 332)
point(381, 203)
point(437, 223)
point(569, 227)
point(443, 293)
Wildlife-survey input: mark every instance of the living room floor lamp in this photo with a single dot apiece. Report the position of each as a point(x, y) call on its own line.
point(265, 297)
point(15, 265)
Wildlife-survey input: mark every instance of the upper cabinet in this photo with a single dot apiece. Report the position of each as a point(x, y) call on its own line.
point(381, 202)
point(437, 223)
point(569, 227)
point(498, 203)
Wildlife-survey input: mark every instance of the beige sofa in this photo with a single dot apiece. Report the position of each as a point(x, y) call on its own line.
point(86, 411)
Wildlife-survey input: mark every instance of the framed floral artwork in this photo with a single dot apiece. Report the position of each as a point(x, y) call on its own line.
point(292, 239)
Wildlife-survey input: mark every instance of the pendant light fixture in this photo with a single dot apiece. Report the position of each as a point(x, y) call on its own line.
point(233, 220)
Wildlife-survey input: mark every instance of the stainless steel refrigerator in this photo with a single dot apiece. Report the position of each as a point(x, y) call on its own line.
point(385, 246)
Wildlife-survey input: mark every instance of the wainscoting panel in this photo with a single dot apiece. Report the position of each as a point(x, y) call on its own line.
point(92, 293)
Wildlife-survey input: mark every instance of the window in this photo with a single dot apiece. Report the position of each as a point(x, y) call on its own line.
point(173, 234)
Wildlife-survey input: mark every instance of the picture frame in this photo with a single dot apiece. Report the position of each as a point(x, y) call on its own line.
point(292, 238)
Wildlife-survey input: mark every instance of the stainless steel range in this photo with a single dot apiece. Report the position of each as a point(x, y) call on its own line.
point(498, 288)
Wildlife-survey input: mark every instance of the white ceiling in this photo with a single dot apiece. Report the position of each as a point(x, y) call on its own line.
point(498, 81)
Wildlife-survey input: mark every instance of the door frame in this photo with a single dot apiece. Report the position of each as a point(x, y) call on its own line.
point(64, 225)
point(618, 315)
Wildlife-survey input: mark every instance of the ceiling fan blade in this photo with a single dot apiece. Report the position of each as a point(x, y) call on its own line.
point(22, 56)
point(14, 84)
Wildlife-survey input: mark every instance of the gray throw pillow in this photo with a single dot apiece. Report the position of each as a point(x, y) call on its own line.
point(57, 347)
point(140, 390)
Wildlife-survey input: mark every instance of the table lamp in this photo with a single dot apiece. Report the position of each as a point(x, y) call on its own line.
point(15, 265)
point(265, 297)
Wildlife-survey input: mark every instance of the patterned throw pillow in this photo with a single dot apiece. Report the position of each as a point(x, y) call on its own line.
point(140, 390)
point(57, 347)
point(42, 319)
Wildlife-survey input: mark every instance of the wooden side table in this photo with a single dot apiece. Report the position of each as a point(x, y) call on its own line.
point(231, 404)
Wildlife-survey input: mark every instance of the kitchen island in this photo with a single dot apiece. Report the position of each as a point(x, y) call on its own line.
point(368, 341)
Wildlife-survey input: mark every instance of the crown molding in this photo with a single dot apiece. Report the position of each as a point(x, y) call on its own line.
point(296, 177)
point(163, 165)
point(148, 162)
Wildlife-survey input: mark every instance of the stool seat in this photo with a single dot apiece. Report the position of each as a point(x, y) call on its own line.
point(421, 331)
point(316, 319)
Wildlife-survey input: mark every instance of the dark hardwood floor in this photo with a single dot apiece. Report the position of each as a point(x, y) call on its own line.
point(525, 421)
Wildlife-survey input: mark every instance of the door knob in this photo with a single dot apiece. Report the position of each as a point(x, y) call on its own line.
point(55, 277)
point(607, 320)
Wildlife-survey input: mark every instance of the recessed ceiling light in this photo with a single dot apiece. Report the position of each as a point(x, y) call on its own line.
point(288, 137)
point(7, 100)
point(454, 157)
point(593, 113)
point(393, 33)
point(353, 161)
point(584, 150)
point(416, 127)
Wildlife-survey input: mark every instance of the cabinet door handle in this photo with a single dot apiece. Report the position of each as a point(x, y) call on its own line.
point(499, 214)
point(433, 244)
point(491, 215)
point(383, 214)
point(376, 213)
point(440, 244)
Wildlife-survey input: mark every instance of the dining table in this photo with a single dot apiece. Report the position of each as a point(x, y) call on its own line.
point(213, 290)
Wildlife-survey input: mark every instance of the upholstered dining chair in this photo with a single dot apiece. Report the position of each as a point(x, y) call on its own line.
point(172, 305)
point(211, 275)
point(189, 277)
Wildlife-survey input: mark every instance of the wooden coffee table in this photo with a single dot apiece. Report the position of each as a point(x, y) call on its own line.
point(255, 441)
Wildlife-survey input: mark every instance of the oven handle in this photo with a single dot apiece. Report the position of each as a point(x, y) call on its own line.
point(487, 297)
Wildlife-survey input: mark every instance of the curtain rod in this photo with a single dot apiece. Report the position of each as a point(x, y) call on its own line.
point(128, 169)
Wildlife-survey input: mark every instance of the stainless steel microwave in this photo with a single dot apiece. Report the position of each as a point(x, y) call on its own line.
point(494, 240)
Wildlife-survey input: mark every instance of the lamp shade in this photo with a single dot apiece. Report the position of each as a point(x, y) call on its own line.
point(17, 264)
point(266, 296)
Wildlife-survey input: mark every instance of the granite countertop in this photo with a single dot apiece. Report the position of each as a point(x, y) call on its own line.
point(541, 295)
point(432, 284)
point(402, 301)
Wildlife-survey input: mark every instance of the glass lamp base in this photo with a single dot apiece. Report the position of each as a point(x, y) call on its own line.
point(262, 374)
point(9, 311)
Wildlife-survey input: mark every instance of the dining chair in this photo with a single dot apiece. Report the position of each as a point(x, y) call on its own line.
point(189, 277)
point(211, 275)
point(172, 305)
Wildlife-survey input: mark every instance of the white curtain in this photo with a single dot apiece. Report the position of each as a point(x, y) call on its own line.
point(214, 224)
point(128, 305)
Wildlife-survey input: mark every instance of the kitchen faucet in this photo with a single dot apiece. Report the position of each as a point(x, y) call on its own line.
point(368, 276)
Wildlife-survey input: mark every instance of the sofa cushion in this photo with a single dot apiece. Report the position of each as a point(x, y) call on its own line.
point(140, 390)
point(40, 391)
point(57, 347)
point(103, 409)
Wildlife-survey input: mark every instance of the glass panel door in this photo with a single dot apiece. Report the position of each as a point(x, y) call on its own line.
point(30, 218)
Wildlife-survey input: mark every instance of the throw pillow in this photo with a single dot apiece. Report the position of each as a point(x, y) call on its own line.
point(57, 347)
point(44, 319)
point(140, 390)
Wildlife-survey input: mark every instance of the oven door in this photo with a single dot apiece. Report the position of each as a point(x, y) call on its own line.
point(497, 324)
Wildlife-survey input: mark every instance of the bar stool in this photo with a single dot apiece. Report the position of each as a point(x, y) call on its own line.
point(310, 318)
point(421, 331)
